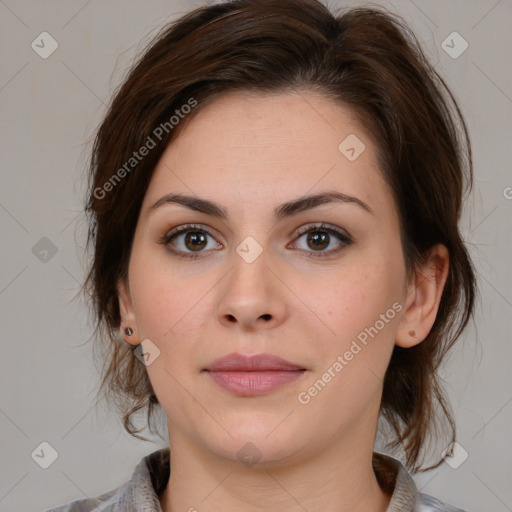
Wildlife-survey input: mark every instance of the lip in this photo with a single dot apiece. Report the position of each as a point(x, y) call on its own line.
point(252, 375)
point(261, 362)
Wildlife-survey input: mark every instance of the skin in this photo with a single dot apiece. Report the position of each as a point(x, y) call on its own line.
point(250, 153)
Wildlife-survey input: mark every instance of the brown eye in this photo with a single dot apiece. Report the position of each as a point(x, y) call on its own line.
point(189, 241)
point(195, 240)
point(318, 238)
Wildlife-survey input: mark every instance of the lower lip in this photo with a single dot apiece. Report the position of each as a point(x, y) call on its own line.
point(253, 383)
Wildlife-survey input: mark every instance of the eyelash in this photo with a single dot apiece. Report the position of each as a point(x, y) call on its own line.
point(340, 235)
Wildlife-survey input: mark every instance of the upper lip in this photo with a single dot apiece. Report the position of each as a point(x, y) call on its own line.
point(261, 362)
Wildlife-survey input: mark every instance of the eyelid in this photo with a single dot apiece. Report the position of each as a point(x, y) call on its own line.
point(298, 231)
point(319, 226)
point(185, 228)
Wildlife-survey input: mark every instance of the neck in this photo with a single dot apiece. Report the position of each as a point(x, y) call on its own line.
point(326, 481)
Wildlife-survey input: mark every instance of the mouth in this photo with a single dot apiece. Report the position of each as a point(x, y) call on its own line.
point(252, 375)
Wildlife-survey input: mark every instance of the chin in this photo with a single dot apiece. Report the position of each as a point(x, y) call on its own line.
point(260, 444)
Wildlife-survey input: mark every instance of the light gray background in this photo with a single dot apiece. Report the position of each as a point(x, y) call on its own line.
point(50, 108)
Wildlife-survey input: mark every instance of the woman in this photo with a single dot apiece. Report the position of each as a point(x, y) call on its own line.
point(274, 203)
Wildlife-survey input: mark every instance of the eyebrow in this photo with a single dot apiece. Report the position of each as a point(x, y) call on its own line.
point(280, 212)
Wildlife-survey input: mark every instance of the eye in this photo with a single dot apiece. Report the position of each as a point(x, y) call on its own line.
point(319, 237)
point(188, 240)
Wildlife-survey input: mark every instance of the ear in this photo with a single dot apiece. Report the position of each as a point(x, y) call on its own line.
point(127, 313)
point(423, 298)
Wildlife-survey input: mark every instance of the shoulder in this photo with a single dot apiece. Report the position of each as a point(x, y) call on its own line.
point(427, 503)
point(395, 478)
point(141, 492)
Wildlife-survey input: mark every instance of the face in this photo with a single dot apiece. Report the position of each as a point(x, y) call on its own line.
point(320, 286)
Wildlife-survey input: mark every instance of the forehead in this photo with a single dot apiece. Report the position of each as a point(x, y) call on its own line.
point(245, 146)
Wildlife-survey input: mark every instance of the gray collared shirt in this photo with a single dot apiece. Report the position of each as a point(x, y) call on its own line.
point(149, 479)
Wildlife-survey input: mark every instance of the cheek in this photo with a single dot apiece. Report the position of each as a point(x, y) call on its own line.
point(353, 300)
point(361, 310)
point(173, 312)
point(174, 318)
point(361, 307)
point(167, 304)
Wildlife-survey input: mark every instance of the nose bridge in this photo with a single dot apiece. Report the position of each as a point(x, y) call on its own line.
point(251, 295)
point(248, 282)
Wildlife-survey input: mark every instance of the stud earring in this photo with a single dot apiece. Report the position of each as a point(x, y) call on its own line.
point(412, 334)
point(128, 331)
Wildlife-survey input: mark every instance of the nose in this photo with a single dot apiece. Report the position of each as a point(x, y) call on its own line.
point(252, 297)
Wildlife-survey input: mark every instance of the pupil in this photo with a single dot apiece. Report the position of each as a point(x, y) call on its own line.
point(196, 238)
point(322, 238)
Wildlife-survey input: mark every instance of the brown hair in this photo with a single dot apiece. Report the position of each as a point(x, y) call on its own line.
point(364, 58)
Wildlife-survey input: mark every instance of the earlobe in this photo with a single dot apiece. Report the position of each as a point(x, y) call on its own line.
point(128, 327)
point(423, 298)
